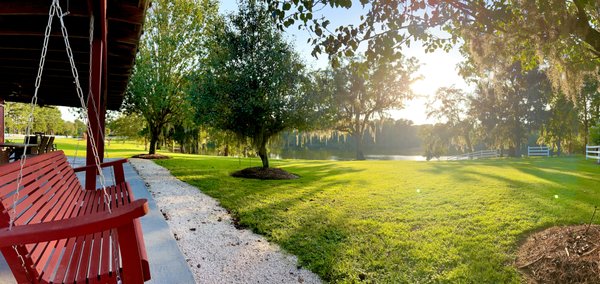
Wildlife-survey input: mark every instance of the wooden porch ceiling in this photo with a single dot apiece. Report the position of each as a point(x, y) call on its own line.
point(22, 25)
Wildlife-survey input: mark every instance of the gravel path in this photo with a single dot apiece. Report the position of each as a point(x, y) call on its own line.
point(215, 250)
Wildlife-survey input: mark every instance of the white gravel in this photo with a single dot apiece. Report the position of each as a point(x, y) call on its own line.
point(215, 250)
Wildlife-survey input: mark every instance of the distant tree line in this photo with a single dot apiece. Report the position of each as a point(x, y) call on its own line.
point(382, 137)
point(510, 110)
point(46, 119)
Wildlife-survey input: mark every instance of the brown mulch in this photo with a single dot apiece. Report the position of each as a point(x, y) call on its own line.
point(262, 173)
point(151, 156)
point(561, 255)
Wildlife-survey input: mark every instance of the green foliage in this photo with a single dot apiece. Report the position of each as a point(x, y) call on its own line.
point(45, 119)
point(127, 126)
point(588, 105)
point(509, 103)
point(452, 105)
point(251, 80)
point(562, 33)
point(366, 90)
point(169, 52)
point(595, 135)
point(436, 140)
point(437, 222)
point(384, 28)
point(560, 130)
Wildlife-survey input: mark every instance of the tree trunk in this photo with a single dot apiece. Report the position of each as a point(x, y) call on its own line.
point(262, 153)
point(469, 144)
point(511, 151)
point(153, 141)
point(360, 156)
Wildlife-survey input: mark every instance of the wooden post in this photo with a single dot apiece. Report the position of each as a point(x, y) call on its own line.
point(2, 129)
point(104, 94)
point(93, 115)
point(97, 98)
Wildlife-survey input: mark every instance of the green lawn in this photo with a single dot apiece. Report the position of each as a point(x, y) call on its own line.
point(399, 221)
point(116, 149)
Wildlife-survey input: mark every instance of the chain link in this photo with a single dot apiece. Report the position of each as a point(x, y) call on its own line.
point(107, 198)
point(75, 73)
point(32, 105)
point(56, 9)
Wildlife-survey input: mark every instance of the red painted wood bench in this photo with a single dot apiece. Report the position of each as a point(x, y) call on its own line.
point(63, 233)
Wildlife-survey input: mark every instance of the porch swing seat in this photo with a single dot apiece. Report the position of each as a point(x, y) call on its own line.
point(66, 234)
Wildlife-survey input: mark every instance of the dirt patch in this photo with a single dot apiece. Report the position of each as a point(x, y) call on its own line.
point(262, 173)
point(568, 254)
point(151, 156)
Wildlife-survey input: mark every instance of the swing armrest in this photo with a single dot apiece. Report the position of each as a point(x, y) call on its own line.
point(117, 168)
point(73, 227)
point(103, 165)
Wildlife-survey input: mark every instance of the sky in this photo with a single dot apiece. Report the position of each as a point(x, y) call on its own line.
point(438, 69)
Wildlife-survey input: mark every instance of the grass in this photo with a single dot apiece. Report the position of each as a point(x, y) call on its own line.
point(402, 221)
point(116, 149)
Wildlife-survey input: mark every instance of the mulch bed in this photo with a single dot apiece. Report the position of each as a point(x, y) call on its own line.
point(566, 254)
point(262, 173)
point(151, 157)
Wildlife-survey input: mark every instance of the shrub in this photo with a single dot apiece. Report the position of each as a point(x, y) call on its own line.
point(595, 135)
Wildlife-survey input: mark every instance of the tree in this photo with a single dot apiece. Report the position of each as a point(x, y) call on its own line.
point(588, 104)
point(16, 115)
point(595, 135)
point(127, 126)
point(251, 80)
point(365, 90)
point(80, 127)
point(451, 105)
point(436, 140)
point(385, 27)
point(46, 119)
point(169, 52)
point(510, 104)
point(561, 33)
point(562, 126)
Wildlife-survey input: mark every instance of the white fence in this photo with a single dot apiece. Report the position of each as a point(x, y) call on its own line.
point(538, 151)
point(483, 154)
point(592, 152)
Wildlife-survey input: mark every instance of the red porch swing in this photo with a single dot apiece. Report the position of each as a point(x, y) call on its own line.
point(52, 230)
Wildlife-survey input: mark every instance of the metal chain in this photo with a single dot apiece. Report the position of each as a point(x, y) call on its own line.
point(22, 262)
point(82, 101)
point(32, 105)
point(91, 40)
point(107, 199)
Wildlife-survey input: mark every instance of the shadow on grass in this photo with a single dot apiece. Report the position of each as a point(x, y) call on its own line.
point(561, 188)
point(339, 229)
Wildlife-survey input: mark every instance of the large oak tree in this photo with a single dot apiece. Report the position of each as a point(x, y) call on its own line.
point(251, 81)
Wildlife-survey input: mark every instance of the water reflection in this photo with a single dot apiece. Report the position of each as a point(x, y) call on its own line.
point(343, 156)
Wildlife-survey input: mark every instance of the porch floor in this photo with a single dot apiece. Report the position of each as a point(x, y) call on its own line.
point(167, 264)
